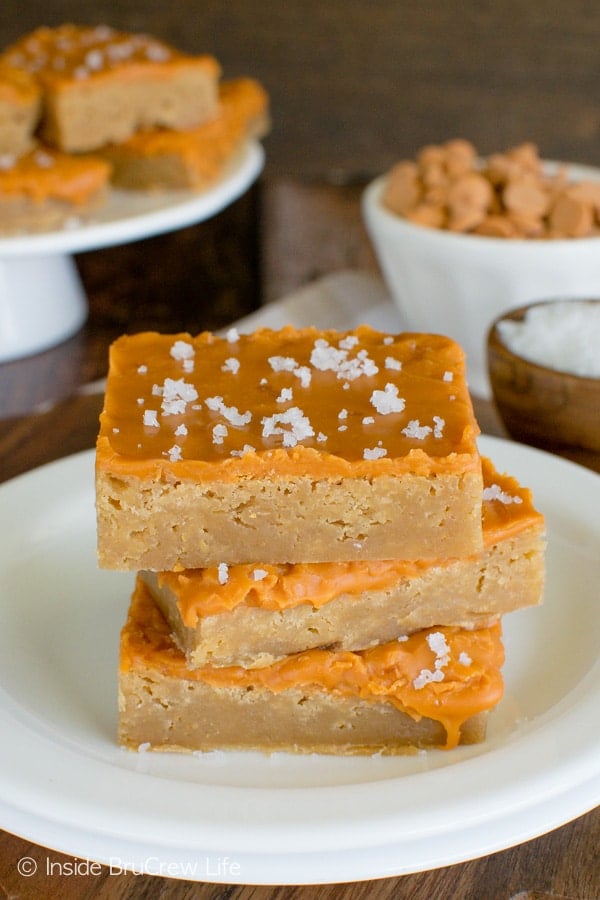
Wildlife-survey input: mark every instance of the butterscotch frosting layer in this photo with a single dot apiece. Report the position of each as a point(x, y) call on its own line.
point(445, 674)
point(46, 174)
point(305, 401)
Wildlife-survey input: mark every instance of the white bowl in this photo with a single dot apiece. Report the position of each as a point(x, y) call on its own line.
point(458, 284)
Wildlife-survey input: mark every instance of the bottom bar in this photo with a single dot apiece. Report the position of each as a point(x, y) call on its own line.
point(430, 689)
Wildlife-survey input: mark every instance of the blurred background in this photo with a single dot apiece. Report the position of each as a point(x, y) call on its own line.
point(354, 86)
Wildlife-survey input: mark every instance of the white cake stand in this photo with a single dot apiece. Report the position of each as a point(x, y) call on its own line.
point(42, 300)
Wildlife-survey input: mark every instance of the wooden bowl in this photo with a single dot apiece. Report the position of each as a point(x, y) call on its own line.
point(541, 406)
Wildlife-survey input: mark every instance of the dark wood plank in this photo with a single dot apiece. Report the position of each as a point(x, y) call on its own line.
point(356, 84)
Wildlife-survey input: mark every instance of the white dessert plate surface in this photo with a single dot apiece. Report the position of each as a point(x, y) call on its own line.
point(283, 819)
point(133, 215)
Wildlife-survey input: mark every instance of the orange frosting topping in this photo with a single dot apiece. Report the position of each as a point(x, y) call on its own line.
point(17, 86)
point(446, 674)
point(72, 54)
point(507, 510)
point(48, 174)
point(294, 401)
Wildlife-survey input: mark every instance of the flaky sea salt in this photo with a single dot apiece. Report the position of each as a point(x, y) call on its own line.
point(222, 573)
point(174, 453)
point(232, 335)
point(391, 363)
point(247, 448)
point(438, 644)
point(495, 492)
point(182, 350)
point(292, 425)
point(231, 365)
point(150, 418)
point(387, 401)
point(230, 413)
point(374, 453)
point(219, 433)
point(259, 574)
point(176, 394)
point(285, 396)
point(564, 336)
point(327, 358)
point(415, 430)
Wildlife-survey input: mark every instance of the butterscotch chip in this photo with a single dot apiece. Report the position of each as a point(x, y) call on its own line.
point(526, 157)
point(460, 157)
point(468, 200)
point(527, 197)
point(527, 226)
point(402, 188)
point(570, 217)
point(431, 154)
point(497, 226)
point(427, 214)
point(586, 192)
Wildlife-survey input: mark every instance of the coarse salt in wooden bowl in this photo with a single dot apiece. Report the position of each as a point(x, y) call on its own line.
point(544, 369)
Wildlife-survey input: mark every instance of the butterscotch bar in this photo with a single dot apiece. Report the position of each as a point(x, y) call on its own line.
point(100, 85)
point(285, 447)
point(432, 689)
point(250, 615)
point(157, 159)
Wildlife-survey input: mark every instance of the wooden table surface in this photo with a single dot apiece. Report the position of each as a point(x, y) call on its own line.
point(207, 276)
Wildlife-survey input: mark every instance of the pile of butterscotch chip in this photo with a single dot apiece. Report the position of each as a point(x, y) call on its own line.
point(506, 195)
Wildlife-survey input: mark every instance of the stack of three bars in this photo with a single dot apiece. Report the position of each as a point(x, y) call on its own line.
point(323, 557)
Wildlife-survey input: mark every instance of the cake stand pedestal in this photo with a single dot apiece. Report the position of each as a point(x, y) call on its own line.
point(42, 299)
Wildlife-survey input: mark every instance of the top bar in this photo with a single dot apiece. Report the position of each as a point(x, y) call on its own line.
point(297, 445)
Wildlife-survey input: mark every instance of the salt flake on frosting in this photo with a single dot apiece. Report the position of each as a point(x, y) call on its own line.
point(299, 426)
point(230, 413)
point(231, 365)
point(387, 401)
point(150, 418)
point(176, 394)
point(495, 492)
point(415, 430)
point(219, 433)
point(374, 453)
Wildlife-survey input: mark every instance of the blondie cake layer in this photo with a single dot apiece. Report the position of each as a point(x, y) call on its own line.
point(19, 111)
point(286, 446)
point(100, 85)
point(431, 689)
point(250, 615)
point(193, 159)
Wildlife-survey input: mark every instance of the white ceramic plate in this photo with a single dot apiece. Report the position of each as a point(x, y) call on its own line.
point(132, 215)
point(284, 819)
